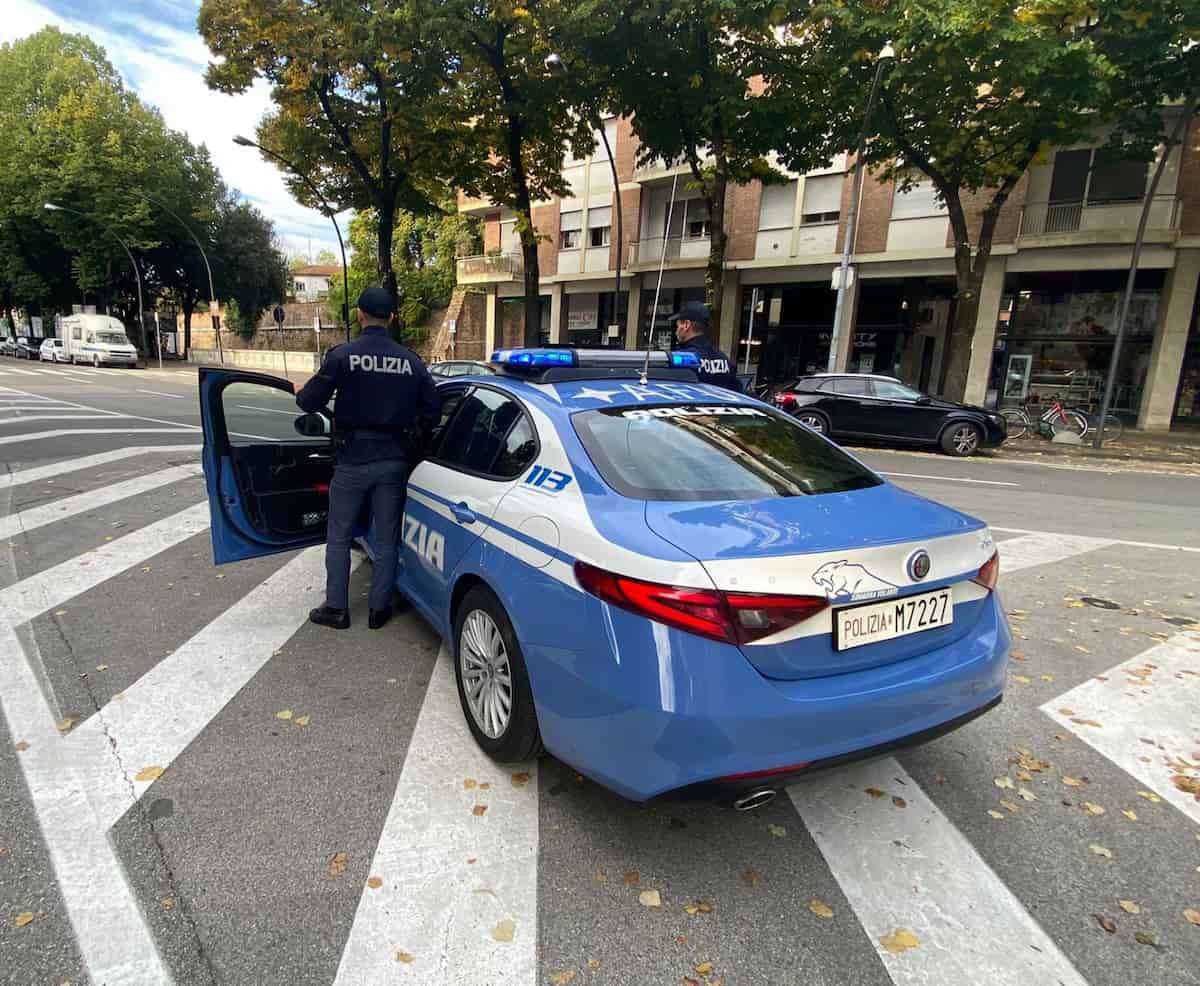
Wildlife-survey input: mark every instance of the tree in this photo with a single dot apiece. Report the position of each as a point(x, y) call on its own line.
point(685, 78)
point(978, 91)
point(522, 116)
point(253, 271)
point(365, 104)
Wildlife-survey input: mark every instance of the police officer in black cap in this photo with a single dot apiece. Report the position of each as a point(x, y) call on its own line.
point(386, 402)
point(691, 334)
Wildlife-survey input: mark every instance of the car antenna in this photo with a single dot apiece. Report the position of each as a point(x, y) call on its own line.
point(658, 288)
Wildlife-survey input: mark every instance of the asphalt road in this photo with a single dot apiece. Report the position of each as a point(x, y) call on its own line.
point(197, 786)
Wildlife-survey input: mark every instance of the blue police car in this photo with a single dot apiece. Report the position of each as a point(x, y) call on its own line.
point(673, 588)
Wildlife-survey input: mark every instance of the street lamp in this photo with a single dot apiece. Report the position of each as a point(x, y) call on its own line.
point(887, 55)
point(212, 296)
point(327, 209)
point(51, 207)
point(556, 66)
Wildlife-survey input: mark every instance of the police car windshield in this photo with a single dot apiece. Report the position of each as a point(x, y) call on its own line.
point(723, 452)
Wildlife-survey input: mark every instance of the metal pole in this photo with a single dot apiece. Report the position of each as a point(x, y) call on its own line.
point(750, 334)
point(612, 161)
point(1106, 400)
point(852, 221)
point(158, 335)
point(658, 288)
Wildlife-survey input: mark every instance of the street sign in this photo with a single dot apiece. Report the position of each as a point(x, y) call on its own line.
point(214, 307)
point(836, 280)
point(453, 326)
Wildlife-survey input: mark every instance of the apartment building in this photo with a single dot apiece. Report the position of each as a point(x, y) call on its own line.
point(1049, 305)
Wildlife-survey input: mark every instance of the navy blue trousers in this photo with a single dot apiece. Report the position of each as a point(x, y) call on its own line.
point(382, 484)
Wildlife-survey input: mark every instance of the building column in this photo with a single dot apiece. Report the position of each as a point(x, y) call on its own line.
point(491, 318)
point(983, 340)
point(1170, 342)
point(731, 313)
point(846, 339)
point(558, 314)
point(633, 319)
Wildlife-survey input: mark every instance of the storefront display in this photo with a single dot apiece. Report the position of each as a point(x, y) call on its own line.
point(1187, 400)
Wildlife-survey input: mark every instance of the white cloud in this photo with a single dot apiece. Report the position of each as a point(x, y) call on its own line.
point(168, 73)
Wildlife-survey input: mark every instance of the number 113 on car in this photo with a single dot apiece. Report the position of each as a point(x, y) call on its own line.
point(858, 625)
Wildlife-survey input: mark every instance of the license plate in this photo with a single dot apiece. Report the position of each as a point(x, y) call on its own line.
point(873, 622)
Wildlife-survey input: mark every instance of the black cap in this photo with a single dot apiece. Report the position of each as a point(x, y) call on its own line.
point(376, 302)
point(693, 311)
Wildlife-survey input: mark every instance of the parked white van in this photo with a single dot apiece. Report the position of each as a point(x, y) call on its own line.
point(97, 339)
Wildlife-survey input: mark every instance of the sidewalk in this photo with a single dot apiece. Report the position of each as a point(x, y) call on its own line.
point(1166, 452)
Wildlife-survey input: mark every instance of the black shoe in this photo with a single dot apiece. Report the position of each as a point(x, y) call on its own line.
point(378, 617)
point(327, 616)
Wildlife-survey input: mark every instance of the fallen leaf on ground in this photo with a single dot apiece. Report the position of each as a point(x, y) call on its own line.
point(1021, 679)
point(284, 714)
point(1143, 938)
point(1026, 794)
point(1108, 924)
point(820, 908)
point(703, 969)
point(303, 720)
point(1129, 907)
point(60, 612)
point(1009, 805)
point(751, 878)
point(562, 978)
point(405, 957)
point(600, 877)
point(593, 964)
point(148, 774)
point(1130, 814)
point(479, 810)
point(520, 778)
point(631, 878)
point(21, 746)
point(337, 864)
point(1188, 785)
point(1100, 851)
point(650, 898)
point(101, 667)
point(167, 903)
point(996, 814)
point(777, 830)
point(1192, 916)
point(374, 882)
point(874, 792)
point(64, 725)
point(1004, 782)
point(1087, 722)
point(505, 930)
point(699, 907)
point(1149, 796)
point(899, 941)
point(23, 919)
point(1073, 782)
point(1093, 809)
point(469, 783)
point(939, 778)
point(899, 802)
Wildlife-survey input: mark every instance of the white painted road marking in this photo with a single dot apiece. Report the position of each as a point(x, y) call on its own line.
point(38, 473)
point(268, 410)
point(1154, 696)
point(132, 417)
point(1041, 549)
point(66, 414)
point(946, 479)
point(57, 510)
point(433, 904)
point(38, 436)
point(914, 869)
point(1129, 544)
point(159, 393)
point(75, 576)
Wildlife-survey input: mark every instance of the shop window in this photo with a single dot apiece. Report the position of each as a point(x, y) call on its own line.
point(919, 202)
point(822, 200)
point(778, 206)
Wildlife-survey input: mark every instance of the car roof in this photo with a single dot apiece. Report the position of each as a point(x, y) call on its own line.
point(858, 376)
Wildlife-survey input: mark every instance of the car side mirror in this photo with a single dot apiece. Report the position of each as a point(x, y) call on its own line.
point(312, 425)
point(924, 399)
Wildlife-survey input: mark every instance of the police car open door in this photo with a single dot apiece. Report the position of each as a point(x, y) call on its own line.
point(267, 485)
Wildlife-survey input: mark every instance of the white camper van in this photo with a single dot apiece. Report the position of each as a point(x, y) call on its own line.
point(97, 339)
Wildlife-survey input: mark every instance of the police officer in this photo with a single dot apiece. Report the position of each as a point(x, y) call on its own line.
point(385, 400)
point(691, 328)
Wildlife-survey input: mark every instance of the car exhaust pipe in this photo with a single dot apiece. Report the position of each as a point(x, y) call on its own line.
point(755, 799)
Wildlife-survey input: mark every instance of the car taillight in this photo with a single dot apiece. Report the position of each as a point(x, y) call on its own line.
point(731, 617)
point(989, 573)
point(784, 399)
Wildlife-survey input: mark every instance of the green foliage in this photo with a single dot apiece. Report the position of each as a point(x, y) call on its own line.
point(253, 269)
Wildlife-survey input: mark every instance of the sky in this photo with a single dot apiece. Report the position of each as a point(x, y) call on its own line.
point(155, 46)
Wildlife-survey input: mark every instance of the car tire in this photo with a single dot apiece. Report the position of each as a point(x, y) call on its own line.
point(486, 654)
point(813, 419)
point(961, 438)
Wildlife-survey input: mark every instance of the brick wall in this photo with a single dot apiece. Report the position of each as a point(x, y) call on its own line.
point(874, 214)
point(631, 205)
point(742, 204)
point(1010, 216)
point(626, 150)
point(511, 329)
point(545, 221)
point(1189, 181)
point(491, 233)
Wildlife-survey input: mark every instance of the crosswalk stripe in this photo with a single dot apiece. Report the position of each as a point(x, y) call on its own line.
point(59, 510)
point(912, 869)
point(168, 706)
point(38, 436)
point(54, 586)
point(1154, 545)
point(24, 373)
point(430, 904)
point(64, 414)
point(1142, 715)
point(42, 406)
point(1042, 549)
point(38, 473)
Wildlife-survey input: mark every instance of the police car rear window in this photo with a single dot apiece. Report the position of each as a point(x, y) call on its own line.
point(723, 452)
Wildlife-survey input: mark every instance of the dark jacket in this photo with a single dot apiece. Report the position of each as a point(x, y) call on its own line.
point(715, 367)
point(385, 398)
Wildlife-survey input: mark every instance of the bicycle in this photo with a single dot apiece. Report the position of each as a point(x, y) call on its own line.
point(1059, 417)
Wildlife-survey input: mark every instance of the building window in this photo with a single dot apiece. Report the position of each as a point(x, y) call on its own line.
point(1090, 175)
point(919, 202)
point(599, 236)
point(599, 226)
point(778, 206)
point(508, 236)
point(822, 200)
point(570, 225)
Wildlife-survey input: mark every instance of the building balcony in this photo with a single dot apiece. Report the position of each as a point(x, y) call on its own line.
point(681, 251)
point(500, 268)
point(1098, 222)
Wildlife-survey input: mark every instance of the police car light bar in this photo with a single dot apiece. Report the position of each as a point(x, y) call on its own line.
point(536, 360)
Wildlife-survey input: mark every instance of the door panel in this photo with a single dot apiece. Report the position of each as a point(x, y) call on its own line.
point(905, 413)
point(846, 405)
point(268, 488)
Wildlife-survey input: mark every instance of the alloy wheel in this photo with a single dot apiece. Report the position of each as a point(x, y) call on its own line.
point(813, 421)
point(486, 673)
point(966, 439)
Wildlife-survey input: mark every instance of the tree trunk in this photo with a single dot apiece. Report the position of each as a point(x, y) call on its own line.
point(188, 308)
point(714, 274)
point(387, 273)
point(529, 246)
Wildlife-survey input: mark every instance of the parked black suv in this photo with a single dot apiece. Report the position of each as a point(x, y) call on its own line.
point(882, 409)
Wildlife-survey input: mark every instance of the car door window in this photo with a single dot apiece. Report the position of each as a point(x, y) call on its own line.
point(850, 386)
point(894, 391)
point(520, 449)
point(476, 440)
point(255, 413)
point(452, 398)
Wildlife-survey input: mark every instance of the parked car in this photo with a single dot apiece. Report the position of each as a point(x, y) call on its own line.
point(26, 348)
point(52, 351)
point(8, 346)
point(878, 408)
point(459, 368)
point(676, 589)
